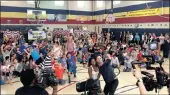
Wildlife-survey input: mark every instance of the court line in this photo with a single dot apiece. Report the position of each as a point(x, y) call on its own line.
point(125, 87)
point(66, 86)
point(126, 90)
point(69, 85)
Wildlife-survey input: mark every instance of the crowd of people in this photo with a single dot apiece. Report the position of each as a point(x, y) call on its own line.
point(97, 52)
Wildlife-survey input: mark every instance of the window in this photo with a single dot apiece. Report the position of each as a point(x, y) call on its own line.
point(80, 4)
point(31, 2)
point(59, 3)
point(116, 2)
point(100, 4)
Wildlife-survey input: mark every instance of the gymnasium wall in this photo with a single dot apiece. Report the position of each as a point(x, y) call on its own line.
point(125, 13)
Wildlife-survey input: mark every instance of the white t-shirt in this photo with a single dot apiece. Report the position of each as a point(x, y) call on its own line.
point(161, 38)
point(115, 60)
point(131, 37)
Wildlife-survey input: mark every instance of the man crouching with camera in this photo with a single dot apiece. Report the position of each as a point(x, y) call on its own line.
point(141, 85)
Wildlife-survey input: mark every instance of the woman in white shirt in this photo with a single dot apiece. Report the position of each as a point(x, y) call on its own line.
point(130, 38)
point(161, 38)
point(93, 70)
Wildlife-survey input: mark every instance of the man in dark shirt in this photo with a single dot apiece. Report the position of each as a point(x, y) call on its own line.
point(28, 78)
point(106, 70)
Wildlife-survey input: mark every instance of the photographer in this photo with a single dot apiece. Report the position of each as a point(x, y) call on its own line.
point(138, 76)
point(141, 85)
point(109, 76)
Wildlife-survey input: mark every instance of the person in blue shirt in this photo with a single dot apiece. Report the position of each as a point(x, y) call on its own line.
point(137, 38)
point(71, 65)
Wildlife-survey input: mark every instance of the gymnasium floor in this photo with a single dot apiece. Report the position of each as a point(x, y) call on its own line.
point(126, 83)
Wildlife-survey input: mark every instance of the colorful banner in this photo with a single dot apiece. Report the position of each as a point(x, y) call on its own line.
point(145, 12)
point(99, 18)
point(82, 18)
point(61, 32)
point(85, 32)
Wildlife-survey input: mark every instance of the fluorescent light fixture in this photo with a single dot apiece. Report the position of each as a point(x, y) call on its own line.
point(80, 4)
point(100, 4)
point(116, 2)
point(59, 3)
point(31, 2)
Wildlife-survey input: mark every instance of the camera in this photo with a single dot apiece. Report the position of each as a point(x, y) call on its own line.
point(150, 83)
point(91, 86)
point(46, 78)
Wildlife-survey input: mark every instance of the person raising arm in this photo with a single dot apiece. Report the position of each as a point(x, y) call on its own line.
point(140, 84)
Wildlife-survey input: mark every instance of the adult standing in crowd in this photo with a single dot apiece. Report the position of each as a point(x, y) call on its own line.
point(127, 37)
point(106, 70)
point(70, 45)
point(108, 37)
point(144, 37)
point(166, 48)
point(161, 39)
point(130, 38)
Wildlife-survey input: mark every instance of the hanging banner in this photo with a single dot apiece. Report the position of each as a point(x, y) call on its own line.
point(61, 32)
point(81, 18)
point(85, 32)
point(11, 34)
point(145, 12)
point(33, 35)
point(99, 18)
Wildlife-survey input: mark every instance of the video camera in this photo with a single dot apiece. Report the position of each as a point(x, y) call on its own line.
point(47, 78)
point(150, 83)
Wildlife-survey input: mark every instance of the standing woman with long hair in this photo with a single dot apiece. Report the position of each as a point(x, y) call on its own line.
point(94, 74)
point(93, 70)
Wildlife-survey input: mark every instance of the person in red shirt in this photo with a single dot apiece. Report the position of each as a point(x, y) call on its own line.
point(139, 56)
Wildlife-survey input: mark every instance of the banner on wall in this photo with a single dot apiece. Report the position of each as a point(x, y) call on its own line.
point(81, 32)
point(33, 35)
point(99, 18)
point(67, 32)
point(61, 32)
point(81, 18)
point(11, 34)
point(145, 12)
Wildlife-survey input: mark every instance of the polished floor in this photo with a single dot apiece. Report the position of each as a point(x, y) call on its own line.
point(126, 83)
